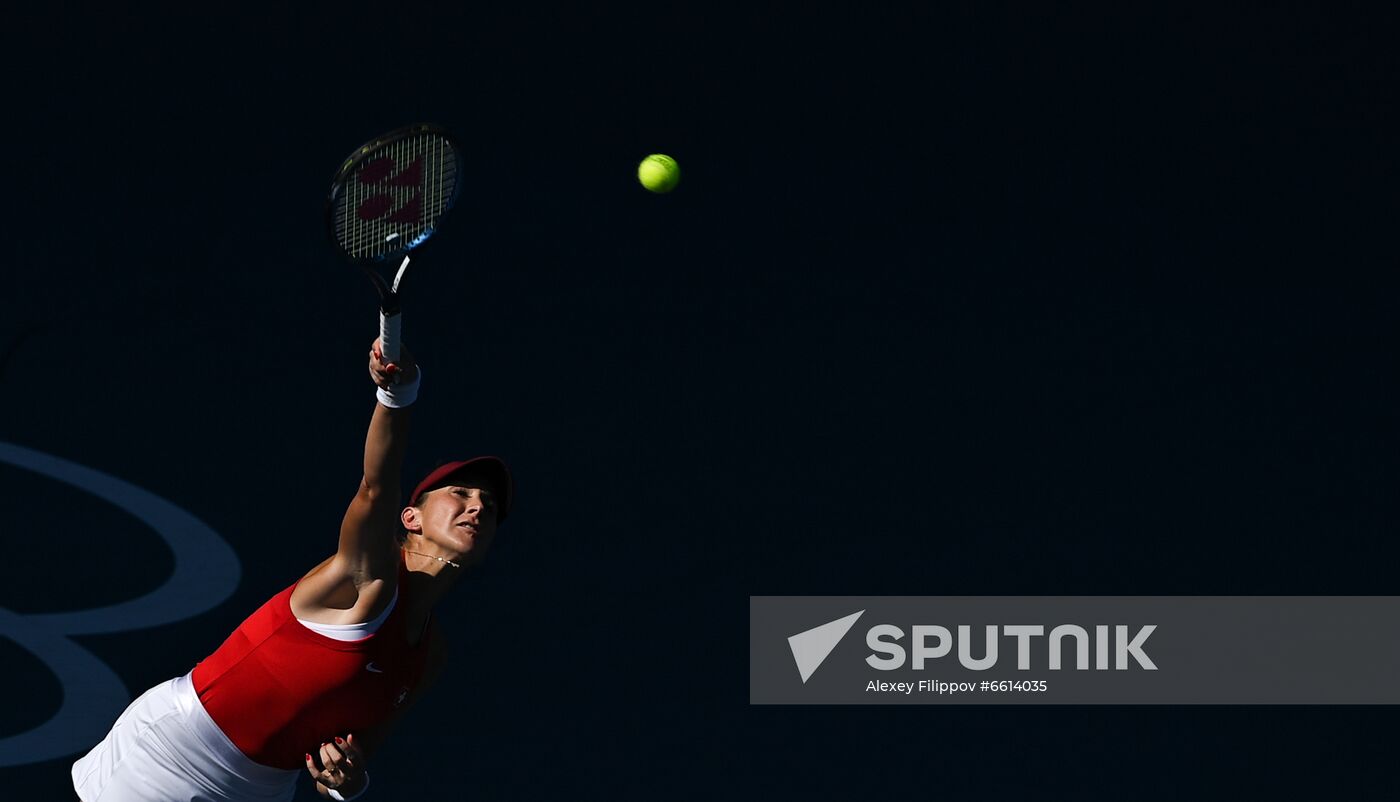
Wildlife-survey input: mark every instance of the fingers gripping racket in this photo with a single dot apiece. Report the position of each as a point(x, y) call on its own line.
point(387, 199)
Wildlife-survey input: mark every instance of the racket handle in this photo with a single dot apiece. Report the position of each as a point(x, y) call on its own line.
point(390, 335)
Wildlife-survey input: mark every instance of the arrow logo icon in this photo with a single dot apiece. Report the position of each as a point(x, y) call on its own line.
point(810, 648)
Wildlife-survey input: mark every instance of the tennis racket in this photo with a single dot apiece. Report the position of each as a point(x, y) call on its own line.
point(388, 198)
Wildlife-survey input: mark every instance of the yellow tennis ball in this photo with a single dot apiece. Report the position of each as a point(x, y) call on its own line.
point(659, 173)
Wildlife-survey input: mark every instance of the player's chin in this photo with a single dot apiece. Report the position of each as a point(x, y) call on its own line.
point(476, 550)
point(468, 542)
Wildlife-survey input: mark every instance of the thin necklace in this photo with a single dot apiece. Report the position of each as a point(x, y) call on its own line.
point(431, 557)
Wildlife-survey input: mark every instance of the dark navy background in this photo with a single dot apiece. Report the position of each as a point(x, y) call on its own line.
point(968, 301)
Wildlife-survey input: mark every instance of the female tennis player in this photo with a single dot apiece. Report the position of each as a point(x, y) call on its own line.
point(314, 679)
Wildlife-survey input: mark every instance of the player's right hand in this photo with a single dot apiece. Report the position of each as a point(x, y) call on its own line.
point(384, 374)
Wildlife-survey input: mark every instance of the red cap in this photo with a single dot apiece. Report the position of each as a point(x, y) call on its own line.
point(493, 468)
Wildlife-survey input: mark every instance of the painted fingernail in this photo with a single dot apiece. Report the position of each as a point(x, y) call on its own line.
point(308, 757)
point(392, 368)
point(339, 741)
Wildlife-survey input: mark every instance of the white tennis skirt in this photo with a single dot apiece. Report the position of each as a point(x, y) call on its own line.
point(166, 748)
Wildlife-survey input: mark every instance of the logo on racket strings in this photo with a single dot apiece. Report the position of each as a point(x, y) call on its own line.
point(399, 197)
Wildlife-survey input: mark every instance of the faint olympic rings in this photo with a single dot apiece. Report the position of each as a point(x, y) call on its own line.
point(206, 573)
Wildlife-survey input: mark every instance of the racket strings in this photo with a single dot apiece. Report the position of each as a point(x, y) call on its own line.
point(396, 196)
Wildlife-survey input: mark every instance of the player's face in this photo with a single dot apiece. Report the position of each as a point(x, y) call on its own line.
point(460, 519)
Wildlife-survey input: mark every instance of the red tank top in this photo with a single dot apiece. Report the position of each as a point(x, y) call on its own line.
point(279, 690)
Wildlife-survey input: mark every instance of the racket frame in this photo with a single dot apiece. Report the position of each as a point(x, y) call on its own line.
point(389, 309)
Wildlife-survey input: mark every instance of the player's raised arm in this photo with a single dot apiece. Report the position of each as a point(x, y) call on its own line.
point(368, 534)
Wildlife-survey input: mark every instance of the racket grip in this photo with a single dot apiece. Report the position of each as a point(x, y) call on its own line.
point(390, 335)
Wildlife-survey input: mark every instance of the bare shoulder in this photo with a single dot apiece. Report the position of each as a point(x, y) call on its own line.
point(334, 593)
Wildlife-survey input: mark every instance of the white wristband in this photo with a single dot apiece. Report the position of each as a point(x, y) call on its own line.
point(396, 396)
point(338, 797)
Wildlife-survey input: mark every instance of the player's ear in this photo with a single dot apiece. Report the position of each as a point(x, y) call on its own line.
point(412, 520)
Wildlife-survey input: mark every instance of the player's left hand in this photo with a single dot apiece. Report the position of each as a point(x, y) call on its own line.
point(342, 766)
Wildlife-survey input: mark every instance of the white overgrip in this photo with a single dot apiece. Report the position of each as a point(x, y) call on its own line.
point(390, 335)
